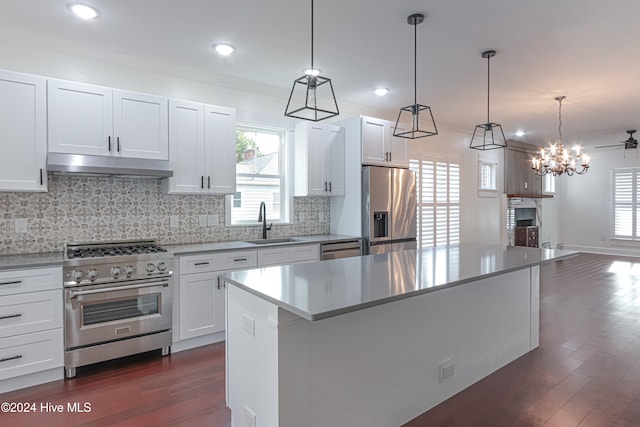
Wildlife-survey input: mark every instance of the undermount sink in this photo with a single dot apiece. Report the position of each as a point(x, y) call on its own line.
point(272, 241)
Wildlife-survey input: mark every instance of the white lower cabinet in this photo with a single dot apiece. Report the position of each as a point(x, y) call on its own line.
point(199, 299)
point(31, 327)
point(201, 295)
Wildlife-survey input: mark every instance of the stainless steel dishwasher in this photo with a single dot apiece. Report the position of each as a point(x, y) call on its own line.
point(342, 249)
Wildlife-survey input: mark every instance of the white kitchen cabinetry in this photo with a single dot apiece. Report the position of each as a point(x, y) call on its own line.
point(94, 120)
point(23, 132)
point(201, 295)
point(202, 141)
point(31, 327)
point(288, 254)
point(380, 147)
point(319, 160)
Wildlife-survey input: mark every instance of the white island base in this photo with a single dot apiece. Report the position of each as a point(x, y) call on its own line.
point(378, 366)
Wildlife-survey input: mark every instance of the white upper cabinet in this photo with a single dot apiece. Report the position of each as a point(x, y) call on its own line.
point(202, 149)
point(23, 133)
point(319, 160)
point(380, 147)
point(87, 119)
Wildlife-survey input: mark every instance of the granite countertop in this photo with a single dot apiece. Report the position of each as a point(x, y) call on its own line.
point(196, 248)
point(316, 291)
point(53, 259)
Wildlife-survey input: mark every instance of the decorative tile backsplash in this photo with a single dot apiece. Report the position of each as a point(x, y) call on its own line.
point(86, 209)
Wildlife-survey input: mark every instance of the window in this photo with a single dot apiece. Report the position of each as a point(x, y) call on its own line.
point(487, 179)
point(260, 175)
point(237, 199)
point(549, 184)
point(438, 210)
point(625, 203)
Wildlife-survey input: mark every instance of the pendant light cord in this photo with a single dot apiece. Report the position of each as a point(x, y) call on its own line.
point(488, 85)
point(415, 63)
point(312, 36)
point(560, 119)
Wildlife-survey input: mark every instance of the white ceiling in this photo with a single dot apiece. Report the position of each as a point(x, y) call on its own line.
point(584, 49)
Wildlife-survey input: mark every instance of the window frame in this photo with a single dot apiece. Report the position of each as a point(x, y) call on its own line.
point(491, 191)
point(632, 204)
point(286, 175)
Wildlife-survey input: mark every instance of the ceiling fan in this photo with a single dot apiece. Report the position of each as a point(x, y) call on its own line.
point(629, 143)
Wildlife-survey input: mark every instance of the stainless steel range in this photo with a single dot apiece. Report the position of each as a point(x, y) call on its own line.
point(117, 301)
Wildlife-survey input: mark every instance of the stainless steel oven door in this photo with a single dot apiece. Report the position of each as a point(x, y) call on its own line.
point(111, 312)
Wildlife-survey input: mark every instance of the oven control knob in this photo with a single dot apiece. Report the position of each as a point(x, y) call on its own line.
point(92, 274)
point(151, 268)
point(128, 270)
point(162, 266)
point(115, 271)
point(77, 275)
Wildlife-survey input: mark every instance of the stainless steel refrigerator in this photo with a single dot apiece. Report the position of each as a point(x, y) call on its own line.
point(388, 209)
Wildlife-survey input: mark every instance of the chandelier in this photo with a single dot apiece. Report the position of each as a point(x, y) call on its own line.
point(556, 159)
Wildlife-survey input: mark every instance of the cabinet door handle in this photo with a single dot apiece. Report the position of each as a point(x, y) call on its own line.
point(41, 181)
point(15, 282)
point(202, 182)
point(201, 263)
point(109, 139)
point(208, 181)
point(325, 186)
point(118, 143)
point(6, 359)
point(10, 316)
point(218, 280)
point(239, 259)
point(389, 155)
point(329, 186)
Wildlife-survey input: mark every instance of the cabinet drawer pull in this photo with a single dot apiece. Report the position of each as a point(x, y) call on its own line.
point(11, 316)
point(201, 263)
point(6, 359)
point(240, 259)
point(15, 282)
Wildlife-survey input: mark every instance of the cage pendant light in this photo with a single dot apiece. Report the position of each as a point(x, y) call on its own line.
point(312, 96)
point(489, 135)
point(415, 121)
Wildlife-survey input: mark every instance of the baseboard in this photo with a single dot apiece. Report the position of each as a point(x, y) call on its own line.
point(197, 342)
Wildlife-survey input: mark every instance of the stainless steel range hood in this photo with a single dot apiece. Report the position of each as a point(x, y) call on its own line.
point(77, 164)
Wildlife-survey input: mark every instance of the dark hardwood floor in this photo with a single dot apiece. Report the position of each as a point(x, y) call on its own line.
point(585, 373)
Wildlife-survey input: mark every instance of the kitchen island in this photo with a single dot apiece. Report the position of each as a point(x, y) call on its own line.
point(376, 340)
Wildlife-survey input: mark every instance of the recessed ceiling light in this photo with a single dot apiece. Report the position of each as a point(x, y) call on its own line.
point(381, 91)
point(224, 49)
point(83, 11)
point(520, 133)
point(312, 72)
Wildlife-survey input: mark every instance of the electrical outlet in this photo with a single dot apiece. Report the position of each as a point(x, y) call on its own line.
point(202, 220)
point(249, 325)
point(212, 220)
point(173, 221)
point(302, 217)
point(446, 370)
point(21, 225)
point(321, 216)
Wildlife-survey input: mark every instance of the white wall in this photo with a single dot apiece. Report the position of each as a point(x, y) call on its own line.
point(585, 204)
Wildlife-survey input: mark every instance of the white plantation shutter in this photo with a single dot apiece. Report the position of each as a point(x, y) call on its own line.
point(438, 207)
point(625, 207)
